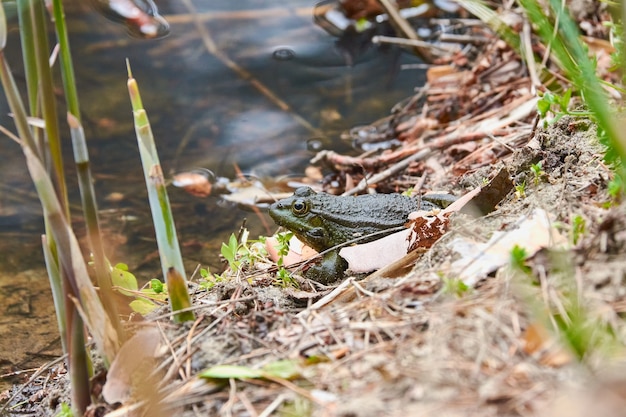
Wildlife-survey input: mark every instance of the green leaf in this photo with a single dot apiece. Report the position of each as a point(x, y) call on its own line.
point(121, 266)
point(543, 107)
point(231, 371)
point(229, 251)
point(156, 285)
point(285, 369)
point(564, 102)
point(124, 279)
point(66, 411)
point(142, 306)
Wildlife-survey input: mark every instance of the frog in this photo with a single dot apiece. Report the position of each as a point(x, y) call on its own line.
point(323, 221)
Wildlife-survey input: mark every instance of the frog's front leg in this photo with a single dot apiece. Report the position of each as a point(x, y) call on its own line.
point(330, 269)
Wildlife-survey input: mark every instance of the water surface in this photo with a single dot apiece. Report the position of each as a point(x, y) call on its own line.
point(203, 114)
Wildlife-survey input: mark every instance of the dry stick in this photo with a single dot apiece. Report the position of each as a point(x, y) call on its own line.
point(201, 306)
point(174, 356)
point(327, 298)
point(247, 404)
point(416, 43)
point(400, 22)
point(190, 350)
point(423, 154)
point(529, 56)
point(273, 406)
point(209, 44)
point(180, 350)
point(227, 408)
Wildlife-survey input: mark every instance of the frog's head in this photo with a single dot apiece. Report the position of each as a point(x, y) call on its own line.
point(297, 214)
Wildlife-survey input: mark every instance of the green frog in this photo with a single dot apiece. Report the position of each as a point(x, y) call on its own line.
point(323, 221)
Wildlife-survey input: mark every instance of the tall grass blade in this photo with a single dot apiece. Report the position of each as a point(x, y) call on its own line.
point(28, 53)
point(48, 101)
point(90, 211)
point(167, 241)
point(15, 103)
point(72, 263)
point(67, 69)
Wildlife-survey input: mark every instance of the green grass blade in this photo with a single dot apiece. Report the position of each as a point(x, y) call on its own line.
point(67, 68)
point(71, 261)
point(48, 101)
point(167, 241)
point(28, 53)
point(90, 211)
point(567, 47)
point(178, 295)
point(16, 104)
point(79, 373)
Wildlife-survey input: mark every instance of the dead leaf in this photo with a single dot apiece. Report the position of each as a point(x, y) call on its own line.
point(195, 183)
point(424, 230)
point(378, 253)
point(534, 338)
point(130, 367)
point(534, 232)
point(428, 229)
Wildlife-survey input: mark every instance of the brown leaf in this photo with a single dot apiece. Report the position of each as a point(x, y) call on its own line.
point(194, 183)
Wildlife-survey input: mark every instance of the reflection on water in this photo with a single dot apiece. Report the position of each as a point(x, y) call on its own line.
point(204, 114)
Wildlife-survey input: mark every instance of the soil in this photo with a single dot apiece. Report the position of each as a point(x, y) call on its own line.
point(542, 336)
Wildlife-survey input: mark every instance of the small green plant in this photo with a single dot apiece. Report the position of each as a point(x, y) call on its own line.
point(615, 188)
point(559, 106)
point(244, 252)
point(283, 246)
point(229, 252)
point(285, 279)
point(145, 299)
point(66, 411)
point(578, 228)
point(454, 286)
point(520, 190)
point(518, 259)
point(537, 172)
point(208, 280)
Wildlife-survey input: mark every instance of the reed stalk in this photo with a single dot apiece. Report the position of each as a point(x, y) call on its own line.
point(167, 241)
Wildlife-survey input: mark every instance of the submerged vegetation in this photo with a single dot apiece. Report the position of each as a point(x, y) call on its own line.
point(361, 320)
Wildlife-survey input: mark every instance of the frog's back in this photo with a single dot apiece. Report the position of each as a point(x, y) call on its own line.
point(349, 217)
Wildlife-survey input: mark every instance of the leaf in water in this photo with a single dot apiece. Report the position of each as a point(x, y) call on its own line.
point(231, 371)
point(195, 183)
point(123, 279)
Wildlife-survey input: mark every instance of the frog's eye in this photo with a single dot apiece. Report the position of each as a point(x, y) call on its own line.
point(300, 207)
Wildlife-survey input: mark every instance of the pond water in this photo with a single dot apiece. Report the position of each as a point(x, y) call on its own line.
point(204, 114)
